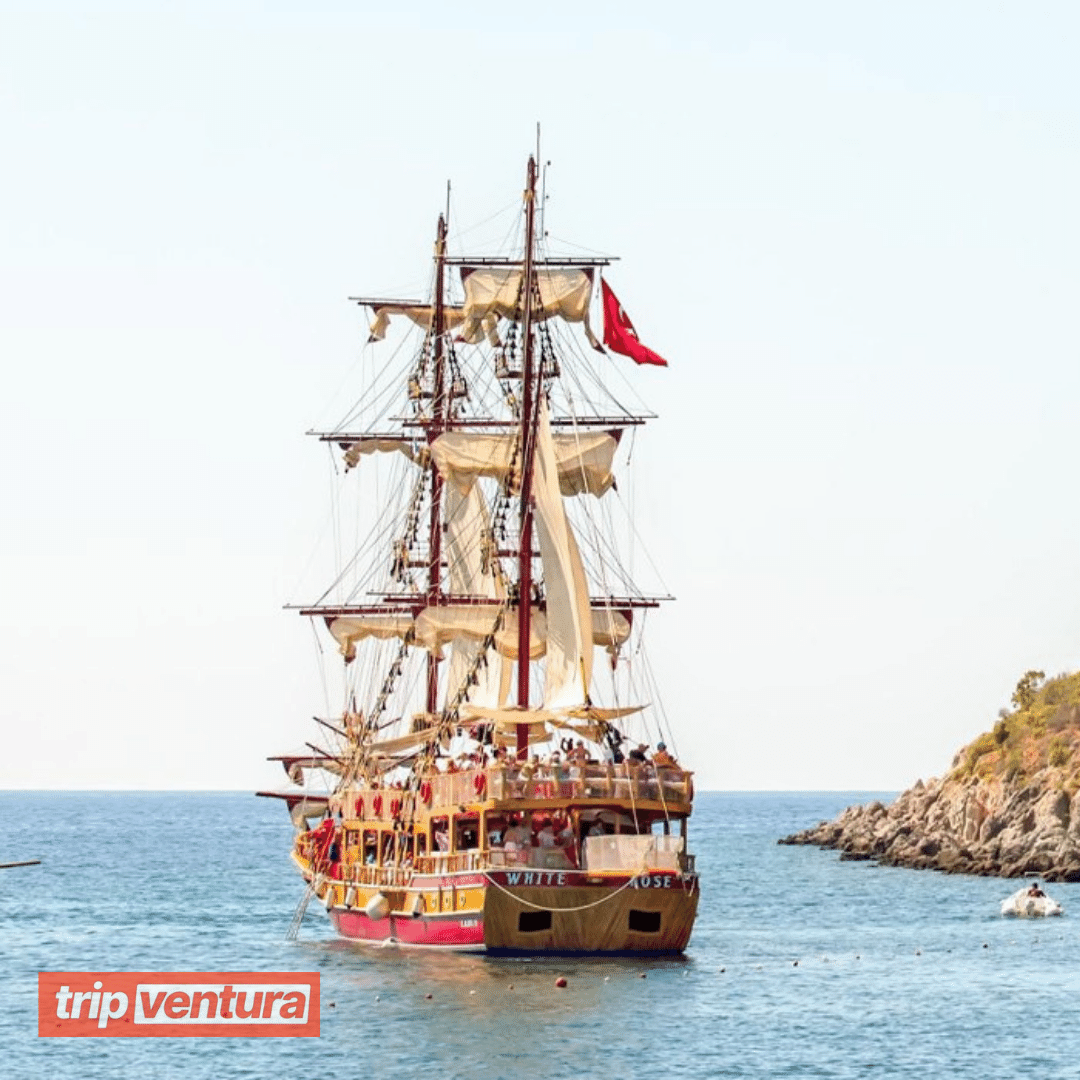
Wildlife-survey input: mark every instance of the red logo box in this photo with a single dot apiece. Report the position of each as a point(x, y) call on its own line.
point(133, 1004)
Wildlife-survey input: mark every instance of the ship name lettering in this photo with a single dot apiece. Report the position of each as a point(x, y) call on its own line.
point(654, 881)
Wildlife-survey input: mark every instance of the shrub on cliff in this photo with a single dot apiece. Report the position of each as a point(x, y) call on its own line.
point(1042, 730)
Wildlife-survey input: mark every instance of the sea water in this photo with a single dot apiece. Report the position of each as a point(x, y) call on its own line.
point(800, 965)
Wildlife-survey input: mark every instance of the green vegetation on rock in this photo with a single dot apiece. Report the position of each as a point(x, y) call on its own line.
point(1041, 731)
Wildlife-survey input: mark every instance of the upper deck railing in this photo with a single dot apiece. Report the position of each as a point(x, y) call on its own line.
point(528, 783)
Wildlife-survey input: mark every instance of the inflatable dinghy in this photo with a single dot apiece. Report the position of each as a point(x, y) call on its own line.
point(1022, 904)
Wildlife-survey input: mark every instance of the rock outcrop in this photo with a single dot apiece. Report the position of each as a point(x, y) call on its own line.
point(1010, 805)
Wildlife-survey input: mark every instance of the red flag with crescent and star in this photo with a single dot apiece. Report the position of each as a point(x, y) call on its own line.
point(619, 333)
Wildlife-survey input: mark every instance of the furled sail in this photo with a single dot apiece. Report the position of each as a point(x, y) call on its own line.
point(583, 459)
point(421, 314)
point(569, 621)
point(348, 630)
point(357, 449)
point(497, 292)
point(438, 626)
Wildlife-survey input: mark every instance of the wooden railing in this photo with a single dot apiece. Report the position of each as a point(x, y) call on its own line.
point(527, 783)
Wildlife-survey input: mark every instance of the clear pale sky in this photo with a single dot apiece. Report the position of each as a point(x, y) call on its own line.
point(852, 228)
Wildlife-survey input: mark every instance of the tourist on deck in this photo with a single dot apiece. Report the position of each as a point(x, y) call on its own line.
point(639, 755)
point(517, 836)
point(545, 838)
point(662, 758)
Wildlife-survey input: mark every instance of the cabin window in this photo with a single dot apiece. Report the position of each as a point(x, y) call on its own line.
point(466, 833)
point(440, 830)
point(371, 847)
point(529, 922)
point(645, 922)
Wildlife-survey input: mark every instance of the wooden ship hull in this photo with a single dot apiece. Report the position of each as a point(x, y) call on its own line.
point(495, 913)
point(615, 893)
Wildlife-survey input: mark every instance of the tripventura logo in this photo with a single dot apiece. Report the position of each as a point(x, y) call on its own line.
point(142, 1003)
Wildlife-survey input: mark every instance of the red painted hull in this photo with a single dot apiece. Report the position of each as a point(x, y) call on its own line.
point(448, 931)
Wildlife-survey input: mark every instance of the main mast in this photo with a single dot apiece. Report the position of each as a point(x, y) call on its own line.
point(528, 433)
point(439, 415)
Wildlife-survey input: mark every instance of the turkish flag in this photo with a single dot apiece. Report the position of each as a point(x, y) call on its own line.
point(619, 332)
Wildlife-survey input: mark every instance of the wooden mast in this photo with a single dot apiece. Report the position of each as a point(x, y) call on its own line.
point(439, 416)
point(528, 436)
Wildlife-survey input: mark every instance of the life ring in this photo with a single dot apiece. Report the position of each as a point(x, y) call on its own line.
point(479, 783)
point(376, 805)
point(425, 792)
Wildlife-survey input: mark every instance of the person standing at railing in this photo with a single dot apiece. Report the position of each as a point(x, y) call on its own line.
point(662, 759)
point(545, 838)
point(517, 836)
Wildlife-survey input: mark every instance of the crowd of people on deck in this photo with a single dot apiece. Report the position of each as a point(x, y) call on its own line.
point(559, 762)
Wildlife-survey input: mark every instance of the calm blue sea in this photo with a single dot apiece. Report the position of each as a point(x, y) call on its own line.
point(800, 965)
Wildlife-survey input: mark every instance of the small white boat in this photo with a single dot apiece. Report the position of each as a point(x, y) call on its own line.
point(1028, 904)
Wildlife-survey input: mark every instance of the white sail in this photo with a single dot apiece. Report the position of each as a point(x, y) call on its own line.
point(472, 572)
point(583, 459)
point(497, 292)
point(569, 621)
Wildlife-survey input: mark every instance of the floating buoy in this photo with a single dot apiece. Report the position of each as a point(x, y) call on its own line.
point(511, 986)
point(378, 907)
point(427, 997)
point(560, 982)
point(794, 963)
point(642, 975)
point(722, 970)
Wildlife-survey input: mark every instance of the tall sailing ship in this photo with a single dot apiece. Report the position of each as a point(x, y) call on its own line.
point(498, 773)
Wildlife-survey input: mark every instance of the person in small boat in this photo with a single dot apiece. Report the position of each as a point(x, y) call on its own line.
point(662, 758)
point(1035, 890)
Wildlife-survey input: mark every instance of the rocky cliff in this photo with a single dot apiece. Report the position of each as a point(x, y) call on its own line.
point(1009, 806)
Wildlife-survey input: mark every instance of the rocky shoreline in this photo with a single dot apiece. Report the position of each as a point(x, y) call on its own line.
point(964, 826)
point(1009, 806)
